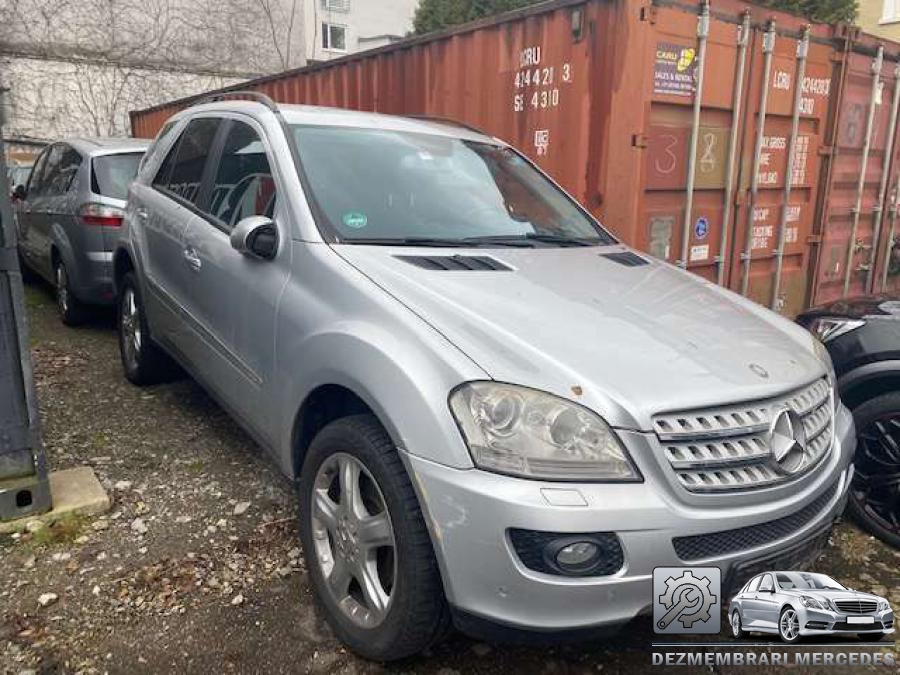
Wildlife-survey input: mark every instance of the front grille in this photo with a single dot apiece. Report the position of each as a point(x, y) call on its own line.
point(727, 448)
point(859, 627)
point(700, 546)
point(856, 606)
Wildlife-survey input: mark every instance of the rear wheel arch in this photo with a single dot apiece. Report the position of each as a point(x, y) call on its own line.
point(122, 265)
point(861, 389)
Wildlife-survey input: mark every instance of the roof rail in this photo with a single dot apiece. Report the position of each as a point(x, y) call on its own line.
point(255, 95)
point(450, 121)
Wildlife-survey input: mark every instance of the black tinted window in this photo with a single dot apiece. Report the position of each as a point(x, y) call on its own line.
point(243, 185)
point(182, 171)
point(62, 166)
point(111, 175)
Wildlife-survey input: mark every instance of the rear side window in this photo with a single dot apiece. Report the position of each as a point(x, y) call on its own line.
point(243, 185)
point(112, 174)
point(182, 170)
point(58, 172)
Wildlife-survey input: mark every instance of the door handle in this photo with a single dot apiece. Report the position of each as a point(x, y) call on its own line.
point(141, 214)
point(192, 259)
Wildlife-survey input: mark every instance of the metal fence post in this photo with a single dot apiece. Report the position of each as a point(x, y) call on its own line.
point(24, 482)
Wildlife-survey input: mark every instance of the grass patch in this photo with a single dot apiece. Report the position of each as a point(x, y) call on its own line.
point(63, 531)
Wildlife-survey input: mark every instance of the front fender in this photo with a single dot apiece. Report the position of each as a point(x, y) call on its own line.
point(404, 384)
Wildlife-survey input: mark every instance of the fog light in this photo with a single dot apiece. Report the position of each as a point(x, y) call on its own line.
point(576, 555)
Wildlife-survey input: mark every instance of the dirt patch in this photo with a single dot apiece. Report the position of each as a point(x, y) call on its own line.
point(183, 576)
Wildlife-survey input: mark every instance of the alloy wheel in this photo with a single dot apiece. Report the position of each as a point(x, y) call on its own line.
point(62, 288)
point(130, 324)
point(736, 624)
point(876, 483)
point(789, 625)
point(353, 539)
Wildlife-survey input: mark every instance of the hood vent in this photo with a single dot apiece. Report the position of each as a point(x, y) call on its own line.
point(459, 263)
point(626, 258)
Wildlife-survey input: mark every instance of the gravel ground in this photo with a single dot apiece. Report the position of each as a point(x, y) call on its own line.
point(197, 568)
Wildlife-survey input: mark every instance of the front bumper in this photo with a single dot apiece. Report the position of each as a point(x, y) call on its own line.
point(470, 513)
point(839, 624)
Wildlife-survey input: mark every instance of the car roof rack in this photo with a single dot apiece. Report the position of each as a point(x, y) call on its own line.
point(450, 121)
point(255, 95)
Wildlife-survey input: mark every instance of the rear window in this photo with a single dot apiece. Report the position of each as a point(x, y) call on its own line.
point(111, 174)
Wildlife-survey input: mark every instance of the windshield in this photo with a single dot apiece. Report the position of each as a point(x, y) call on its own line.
point(807, 581)
point(112, 174)
point(390, 187)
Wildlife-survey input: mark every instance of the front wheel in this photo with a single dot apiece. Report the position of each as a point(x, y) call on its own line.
point(737, 629)
point(873, 493)
point(789, 625)
point(367, 548)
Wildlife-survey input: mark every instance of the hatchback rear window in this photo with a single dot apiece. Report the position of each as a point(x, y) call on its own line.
point(111, 174)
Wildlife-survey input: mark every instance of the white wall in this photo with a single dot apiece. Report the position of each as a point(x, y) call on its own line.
point(366, 19)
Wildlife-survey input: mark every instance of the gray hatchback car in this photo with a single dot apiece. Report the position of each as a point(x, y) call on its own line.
point(493, 410)
point(68, 214)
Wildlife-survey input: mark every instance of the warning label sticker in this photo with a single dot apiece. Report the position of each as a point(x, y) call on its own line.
point(674, 69)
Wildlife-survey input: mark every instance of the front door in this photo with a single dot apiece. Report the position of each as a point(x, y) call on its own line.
point(767, 602)
point(234, 296)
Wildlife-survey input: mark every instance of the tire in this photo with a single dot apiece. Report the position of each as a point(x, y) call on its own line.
point(788, 617)
point(737, 630)
point(71, 310)
point(870, 637)
point(877, 463)
point(415, 614)
point(142, 360)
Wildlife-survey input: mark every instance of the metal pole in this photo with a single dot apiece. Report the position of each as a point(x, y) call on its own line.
point(861, 183)
point(882, 188)
point(768, 48)
point(24, 484)
point(702, 36)
point(889, 244)
point(736, 99)
point(802, 51)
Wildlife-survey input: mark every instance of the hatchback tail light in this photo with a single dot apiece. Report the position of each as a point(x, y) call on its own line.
point(102, 215)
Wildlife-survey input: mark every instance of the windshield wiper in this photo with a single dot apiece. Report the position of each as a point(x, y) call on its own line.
point(410, 241)
point(544, 238)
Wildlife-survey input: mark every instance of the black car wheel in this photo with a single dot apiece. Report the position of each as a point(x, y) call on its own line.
point(875, 493)
point(143, 362)
point(70, 308)
point(367, 548)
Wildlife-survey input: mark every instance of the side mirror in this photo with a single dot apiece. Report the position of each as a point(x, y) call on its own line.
point(255, 236)
point(19, 193)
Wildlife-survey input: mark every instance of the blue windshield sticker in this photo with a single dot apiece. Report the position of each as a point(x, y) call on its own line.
point(356, 220)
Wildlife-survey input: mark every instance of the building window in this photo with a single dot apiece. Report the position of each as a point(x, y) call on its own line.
point(334, 37)
point(890, 11)
point(336, 5)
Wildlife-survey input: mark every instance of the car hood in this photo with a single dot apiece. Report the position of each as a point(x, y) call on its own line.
point(832, 595)
point(627, 341)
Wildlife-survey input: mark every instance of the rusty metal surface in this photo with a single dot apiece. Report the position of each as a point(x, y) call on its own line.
point(601, 95)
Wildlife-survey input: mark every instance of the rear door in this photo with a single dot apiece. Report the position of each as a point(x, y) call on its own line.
point(25, 214)
point(233, 301)
point(58, 226)
point(163, 213)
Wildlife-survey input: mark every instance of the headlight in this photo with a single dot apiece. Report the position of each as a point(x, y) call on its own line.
point(828, 328)
point(812, 602)
point(883, 606)
point(524, 432)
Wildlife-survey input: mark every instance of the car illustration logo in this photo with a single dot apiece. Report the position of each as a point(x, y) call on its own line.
point(787, 441)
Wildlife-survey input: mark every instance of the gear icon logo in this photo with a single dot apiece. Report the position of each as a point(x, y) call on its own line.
point(687, 600)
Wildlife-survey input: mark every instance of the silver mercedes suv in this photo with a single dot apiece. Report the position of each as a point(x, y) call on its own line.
point(494, 412)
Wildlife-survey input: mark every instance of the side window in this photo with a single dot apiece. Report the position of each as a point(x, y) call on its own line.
point(753, 585)
point(182, 170)
point(154, 149)
point(34, 178)
point(766, 583)
point(61, 170)
point(51, 164)
point(243, 185)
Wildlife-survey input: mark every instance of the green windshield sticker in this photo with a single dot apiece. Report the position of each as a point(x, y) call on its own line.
point(356, 220)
